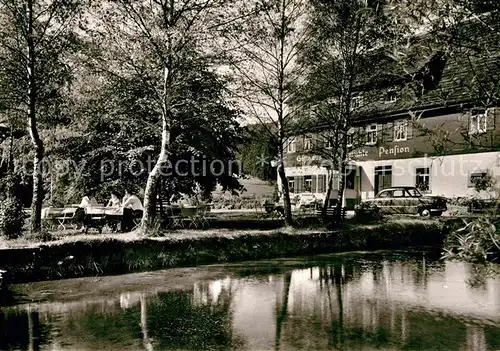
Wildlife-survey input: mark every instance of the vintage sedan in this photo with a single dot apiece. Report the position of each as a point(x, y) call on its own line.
point(407, 200)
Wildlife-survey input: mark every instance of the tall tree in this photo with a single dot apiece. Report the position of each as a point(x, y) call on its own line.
point(34, 40)
point(152, 40)
point(264, 61)
point(116, 132)
point(340, 58)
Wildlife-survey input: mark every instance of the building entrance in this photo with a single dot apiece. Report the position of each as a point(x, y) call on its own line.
point(383, 178)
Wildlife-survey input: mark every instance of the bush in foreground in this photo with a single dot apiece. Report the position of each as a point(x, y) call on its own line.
point(11, 218)
point(477, 240)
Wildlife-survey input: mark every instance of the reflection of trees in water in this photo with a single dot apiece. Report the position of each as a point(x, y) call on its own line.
point(479, 274)
point(335, 315)
point(282, 307)
point(174, 322)
point(22, 331)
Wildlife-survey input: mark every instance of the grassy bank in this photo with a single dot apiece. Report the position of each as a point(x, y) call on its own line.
point(88, 255)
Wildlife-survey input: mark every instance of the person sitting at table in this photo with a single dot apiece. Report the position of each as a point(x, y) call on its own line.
point(131, 205)
point(114, 201)
point(86, 202)
point(132, 202)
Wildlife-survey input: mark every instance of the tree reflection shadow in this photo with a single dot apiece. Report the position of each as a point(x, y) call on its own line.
point(479, 274)
point(174, 322)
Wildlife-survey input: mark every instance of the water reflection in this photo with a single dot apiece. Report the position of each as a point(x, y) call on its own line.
point(350, 303)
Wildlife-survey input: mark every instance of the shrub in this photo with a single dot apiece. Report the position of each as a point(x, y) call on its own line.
point(476, 241)
point(11, 218)
point(42, 236)
point(368, 211)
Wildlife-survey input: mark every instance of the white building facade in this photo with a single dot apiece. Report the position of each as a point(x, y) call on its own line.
point(442, 153)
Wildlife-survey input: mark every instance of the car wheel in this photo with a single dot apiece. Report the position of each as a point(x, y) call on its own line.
point(424, 212)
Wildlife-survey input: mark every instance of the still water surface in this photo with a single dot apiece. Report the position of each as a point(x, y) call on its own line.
point(359, 301)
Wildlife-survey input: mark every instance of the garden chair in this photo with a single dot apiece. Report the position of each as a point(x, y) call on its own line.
point(189, 214)
point(66, 218)
point(202, 215)
point(136, 219)
point(173, 217)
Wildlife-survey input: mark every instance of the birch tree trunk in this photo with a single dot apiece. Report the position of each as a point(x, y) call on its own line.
point(36, 203)
point(286, 196)
point(284, 187)
point(154, 176)
point(342, 171)
point(329, 187)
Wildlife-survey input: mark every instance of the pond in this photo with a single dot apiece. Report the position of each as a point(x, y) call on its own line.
point(382, 300)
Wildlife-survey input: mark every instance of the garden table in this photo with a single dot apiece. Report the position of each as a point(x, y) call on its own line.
point(99, 216)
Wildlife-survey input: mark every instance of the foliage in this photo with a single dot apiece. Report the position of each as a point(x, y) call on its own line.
point(257, 152)
point(119, 131)
point(368, 211)
point(343, 54)
point(477, 240)
point(263, 59)
point(37, 39)
point(11, 218)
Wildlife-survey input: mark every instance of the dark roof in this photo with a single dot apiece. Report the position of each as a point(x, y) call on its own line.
point(437, 77)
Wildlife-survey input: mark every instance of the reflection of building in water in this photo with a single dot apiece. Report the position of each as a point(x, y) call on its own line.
point(211, 292)
point(362, 305)
point(128, 300)
point(379, 305)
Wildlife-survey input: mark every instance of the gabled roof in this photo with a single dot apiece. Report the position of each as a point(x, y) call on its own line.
point(439, 78)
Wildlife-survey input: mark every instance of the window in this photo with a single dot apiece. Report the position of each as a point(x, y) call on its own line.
point(391, 97)
point(387, 193)
point(291, 185)
point(350, 138)
point(478, 123)
point(329, 142)
point(400, 130)
point(308, 184)
point(383, 178)
point(414, 193)
point(398, 193)
point(477, 178)
point(422, 179)
point(307, 143)
point(371, 134)
point(290, 146)
point(350, 178)
point(321, 183)
point(356, 102)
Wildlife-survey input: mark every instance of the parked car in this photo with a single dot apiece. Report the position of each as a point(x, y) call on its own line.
point(406, 200)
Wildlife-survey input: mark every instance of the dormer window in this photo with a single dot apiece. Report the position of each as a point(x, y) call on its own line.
point(350, 138)
point(290, 146)
point(478, 123)
point(400, 130)
point(391, 97)
point(307, 143)
point(371, 134)
point(356, 102)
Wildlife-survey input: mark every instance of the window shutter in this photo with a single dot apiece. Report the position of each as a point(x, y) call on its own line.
point(299, 184)
point(409, 130)
point(313, 184)
point(321, 183)
point(359, 136)
point(389, 132)
point(379, 132)
point(335, 183)
point(490, 118)
point(299, 144)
